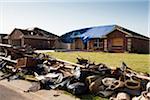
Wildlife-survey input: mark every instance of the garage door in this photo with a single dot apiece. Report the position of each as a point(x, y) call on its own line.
point(117, 42)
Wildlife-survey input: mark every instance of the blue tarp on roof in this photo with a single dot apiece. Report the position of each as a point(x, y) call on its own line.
point(69, 37)
point(87, 33)
point(96, 32)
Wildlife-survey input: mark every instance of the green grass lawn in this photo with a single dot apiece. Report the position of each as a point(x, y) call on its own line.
point(138, 62)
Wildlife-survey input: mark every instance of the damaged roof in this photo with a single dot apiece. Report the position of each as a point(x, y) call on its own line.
point(34, 31)
point(97, 32)
point(68, 37)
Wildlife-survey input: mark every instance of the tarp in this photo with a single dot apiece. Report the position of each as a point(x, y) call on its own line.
point(69, 37)
point(95, 32)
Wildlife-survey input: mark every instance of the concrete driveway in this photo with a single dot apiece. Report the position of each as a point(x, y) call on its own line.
point(9, 94)
point(13, 90)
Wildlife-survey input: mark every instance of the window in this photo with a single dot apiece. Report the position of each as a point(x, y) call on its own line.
point(98, 43)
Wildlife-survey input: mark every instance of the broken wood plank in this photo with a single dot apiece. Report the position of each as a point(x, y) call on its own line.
point(5, 45)
point(139, 76)
point(8, 59)
point(143, 77)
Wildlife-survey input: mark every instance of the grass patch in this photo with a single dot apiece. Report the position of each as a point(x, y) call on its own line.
point(138, 62)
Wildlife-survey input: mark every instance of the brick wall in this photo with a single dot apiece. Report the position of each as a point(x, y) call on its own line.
point(140, 45)
point(38, 44)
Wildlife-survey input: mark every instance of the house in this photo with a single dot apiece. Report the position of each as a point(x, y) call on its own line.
point(34, 37)
point(109, 38)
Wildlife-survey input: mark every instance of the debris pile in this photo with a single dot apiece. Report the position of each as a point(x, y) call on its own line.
point(83, 77)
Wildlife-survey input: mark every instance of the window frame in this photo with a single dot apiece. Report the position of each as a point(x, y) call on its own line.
point(98, 43)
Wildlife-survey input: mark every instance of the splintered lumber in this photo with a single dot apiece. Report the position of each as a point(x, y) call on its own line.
point(135, 74)
point(139, 76)
point(143, 77)
point(81, 66)
point(5, 45)
point(8, 59)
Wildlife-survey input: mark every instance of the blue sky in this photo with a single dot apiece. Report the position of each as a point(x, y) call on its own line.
point(63, 16)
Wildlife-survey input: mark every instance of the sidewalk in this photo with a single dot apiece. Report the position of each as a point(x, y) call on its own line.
point(19, 86)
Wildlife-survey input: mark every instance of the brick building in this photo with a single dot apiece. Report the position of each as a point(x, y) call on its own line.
point(110, 38)
point(34, 37)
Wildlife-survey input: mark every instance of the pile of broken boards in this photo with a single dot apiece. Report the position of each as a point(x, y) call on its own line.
point(84, 77)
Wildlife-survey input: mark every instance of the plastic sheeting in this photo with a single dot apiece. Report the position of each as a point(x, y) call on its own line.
point(96, 32)
point(69, 37)
point(87, 33)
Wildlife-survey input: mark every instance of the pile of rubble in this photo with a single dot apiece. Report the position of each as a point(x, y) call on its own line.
point(83, 77)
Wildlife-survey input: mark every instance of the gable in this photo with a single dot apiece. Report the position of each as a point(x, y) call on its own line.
point(118, 33)
point(16, 34)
